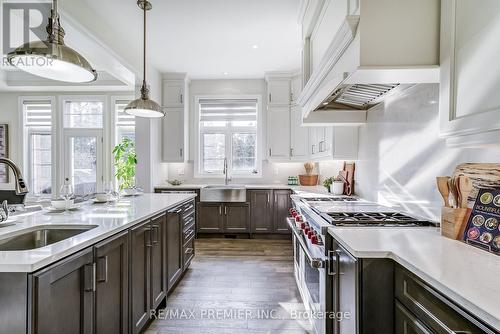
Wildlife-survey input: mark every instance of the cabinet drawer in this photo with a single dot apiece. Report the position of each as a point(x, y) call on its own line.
point(433, 309)
point(188, 220)
point(188, 253)
point(407, 323)
point(187, 209)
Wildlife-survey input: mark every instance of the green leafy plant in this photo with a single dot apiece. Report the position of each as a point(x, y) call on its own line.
point(328, 181)
point(125, 163)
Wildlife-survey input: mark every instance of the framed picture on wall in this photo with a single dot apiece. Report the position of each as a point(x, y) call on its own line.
point(4, 152)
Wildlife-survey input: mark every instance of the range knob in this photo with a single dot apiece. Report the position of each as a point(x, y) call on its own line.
point(314, 239)
point(303, 225)
point(310, 234)
point(307, 229)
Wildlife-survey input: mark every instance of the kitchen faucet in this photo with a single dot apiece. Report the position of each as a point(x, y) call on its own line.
point(21, 189)
point(226, 180)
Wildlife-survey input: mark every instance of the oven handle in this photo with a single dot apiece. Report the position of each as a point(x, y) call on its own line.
point(313, 261)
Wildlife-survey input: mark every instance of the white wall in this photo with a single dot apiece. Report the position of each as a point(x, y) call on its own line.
point(400, 153)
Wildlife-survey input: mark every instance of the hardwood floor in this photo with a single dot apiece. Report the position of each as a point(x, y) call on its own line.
point(235, 286)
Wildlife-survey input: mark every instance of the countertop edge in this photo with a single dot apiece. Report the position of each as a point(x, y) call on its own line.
point(31, 268)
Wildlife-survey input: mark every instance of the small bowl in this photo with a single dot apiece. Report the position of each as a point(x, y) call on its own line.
point(60, 204)
point(102, 197)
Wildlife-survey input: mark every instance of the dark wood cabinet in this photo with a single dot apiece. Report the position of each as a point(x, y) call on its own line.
point(158, 260)
point(63, 296)
point(112, 289)
point(282, 204)
point(407, 323)
point(261, 211)
point(174, 246)
point(210, 218)
point(140, 238)
point(236, 217)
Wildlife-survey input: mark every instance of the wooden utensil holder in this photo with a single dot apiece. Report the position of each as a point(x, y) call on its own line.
point(453, 222)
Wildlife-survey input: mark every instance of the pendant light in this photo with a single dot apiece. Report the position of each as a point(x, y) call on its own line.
point(52, 59)
point(144, 106)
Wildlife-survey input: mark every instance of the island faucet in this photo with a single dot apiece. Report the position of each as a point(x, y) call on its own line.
point(20, 185)
point(226, 179)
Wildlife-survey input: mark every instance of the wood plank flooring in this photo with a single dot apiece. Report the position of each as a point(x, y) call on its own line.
point(235, 286)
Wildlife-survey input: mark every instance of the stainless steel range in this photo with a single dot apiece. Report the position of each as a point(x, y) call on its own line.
point(311, 216)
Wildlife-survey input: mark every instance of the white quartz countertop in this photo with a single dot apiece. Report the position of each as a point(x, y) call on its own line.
point(465, 274)
point(109, 219)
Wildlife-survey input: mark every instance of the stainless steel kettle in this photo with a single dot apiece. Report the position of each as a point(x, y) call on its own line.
point(4, 212)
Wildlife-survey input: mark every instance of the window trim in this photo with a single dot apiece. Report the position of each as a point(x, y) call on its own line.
point(198, 141)
point(23, 138)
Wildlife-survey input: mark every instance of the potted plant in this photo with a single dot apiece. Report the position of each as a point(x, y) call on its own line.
point(335, 185)
point(125, 164)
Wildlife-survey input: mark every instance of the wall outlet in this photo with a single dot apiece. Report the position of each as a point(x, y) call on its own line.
point(181, 171)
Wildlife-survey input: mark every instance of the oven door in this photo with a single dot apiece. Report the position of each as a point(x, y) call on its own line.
point(310, 275)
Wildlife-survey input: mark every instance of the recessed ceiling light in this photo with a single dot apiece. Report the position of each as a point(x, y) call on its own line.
point(255, 46)
point(226, 73)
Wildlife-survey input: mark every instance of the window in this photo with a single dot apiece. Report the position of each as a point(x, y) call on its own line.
point(228, 129)
point(83, 144)
point(125, 123)
point(37, 117)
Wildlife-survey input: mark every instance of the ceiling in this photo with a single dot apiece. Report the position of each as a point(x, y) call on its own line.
point(209, 38)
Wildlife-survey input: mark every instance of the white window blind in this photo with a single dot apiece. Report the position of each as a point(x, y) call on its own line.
point(216, 110)
point(122, 118)
point(38, 113)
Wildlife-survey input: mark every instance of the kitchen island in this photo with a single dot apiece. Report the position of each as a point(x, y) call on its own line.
point(122, 263)
point(438, 282)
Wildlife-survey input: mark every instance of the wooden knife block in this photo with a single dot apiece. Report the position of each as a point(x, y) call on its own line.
point(453, 222)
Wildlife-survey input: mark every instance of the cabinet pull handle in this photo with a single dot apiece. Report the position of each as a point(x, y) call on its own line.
point(267, 197)
point(155, 229)
point(102, 262)
point(189, 250)
point(147, 238)
point(89, 277)
point(313, 147)
point(182, 98)
point(225, 210)
point(180, 152)
point(175, 211)
point(291, 152)
point(270, 152)
point(220, 210)
point(270, 98)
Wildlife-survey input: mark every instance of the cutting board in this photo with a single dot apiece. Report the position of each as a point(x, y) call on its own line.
point(349, 168)
point(483, 176)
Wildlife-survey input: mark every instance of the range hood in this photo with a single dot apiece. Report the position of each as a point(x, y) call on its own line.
point(382, 49)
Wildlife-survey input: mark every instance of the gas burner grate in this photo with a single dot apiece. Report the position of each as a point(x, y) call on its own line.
point(374, 219)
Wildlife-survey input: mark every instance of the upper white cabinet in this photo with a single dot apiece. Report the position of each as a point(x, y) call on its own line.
point(278, 134)
point(278, 91)
point(470, 73)
point(299, 136)
point(175, 127)
point(337, 143)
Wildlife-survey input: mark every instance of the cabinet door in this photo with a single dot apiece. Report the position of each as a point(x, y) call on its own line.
point(173, 93)
point(158, 260)
point(278, 133)
point(173, 136)
point(210, 219)
point(140, 242)
point(174, 246)
point(63, 296)
point(299, 136)
point(347, 291)
point(278, 92)
point(281, 206)
point(407, 323)
point(313, 141)
point(112, 270)
point(344, 142)
point(261, 211)
point(236, 218)
point(296, 88)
